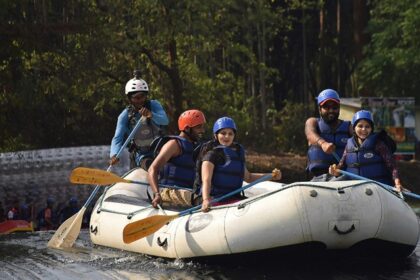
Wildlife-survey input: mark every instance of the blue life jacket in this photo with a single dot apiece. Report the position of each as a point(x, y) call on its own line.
point(180, 171)
point(318, 161)
point(366, 162)
point(26, 212)
point(229, 176)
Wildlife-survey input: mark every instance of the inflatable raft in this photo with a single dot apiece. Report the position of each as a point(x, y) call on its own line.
point(357, 216)
point(10, 226)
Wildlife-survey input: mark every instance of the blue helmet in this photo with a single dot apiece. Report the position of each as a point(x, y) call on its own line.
point(326, 95)
point(224, 122)
point(362, 115)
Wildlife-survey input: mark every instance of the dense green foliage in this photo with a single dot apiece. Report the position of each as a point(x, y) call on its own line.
point(64, 64)
point(393, 55)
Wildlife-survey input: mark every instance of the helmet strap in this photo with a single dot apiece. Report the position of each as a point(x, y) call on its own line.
point(187, 131)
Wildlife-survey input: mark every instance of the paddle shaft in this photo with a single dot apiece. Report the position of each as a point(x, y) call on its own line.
point(410, 194)
point(67, 232)
point(142, 228)
point(86, 176)
point(130, 136)
point(388, 187)
point(175, 187)
point(360, 177)
point(263, 178)
point(122, 180)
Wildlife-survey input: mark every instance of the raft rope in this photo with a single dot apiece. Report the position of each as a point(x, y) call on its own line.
point(252, 200)
point(248, 201)
point(128, 214)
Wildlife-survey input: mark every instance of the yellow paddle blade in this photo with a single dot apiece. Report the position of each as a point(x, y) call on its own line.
point(142, 228)
point(68, 232)
point(90, 176)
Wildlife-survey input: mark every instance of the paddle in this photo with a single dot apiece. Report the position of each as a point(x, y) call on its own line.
point(67, 233)
point(87, 176)
point(142, 228)
point(91, 176)
point(355, 176)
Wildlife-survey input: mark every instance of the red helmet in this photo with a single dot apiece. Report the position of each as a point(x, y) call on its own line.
point(190, 118)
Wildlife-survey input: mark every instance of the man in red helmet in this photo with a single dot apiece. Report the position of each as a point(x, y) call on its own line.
point(174, 164)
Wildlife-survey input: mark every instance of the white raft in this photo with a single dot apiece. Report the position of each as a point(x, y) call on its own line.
point(341, 215)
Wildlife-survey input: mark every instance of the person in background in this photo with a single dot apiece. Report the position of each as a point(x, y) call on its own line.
point(326, 135)
point(174, 164)
point(69, 210)
point(221, 165)
point(46, 217)
point(367, 155)
point(13, 213)
point(2, 214)
point(27, 210)
point(153, 119)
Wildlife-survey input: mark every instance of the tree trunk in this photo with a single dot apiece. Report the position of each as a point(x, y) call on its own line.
point(360, 38)
point(322, 46)
point(306, 98)
point(174, 76)
point(360, 19)
point(340, 87)
point(261, 72)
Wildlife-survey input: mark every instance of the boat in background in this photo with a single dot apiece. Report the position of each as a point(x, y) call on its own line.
point(10, 226)
point(359, 217)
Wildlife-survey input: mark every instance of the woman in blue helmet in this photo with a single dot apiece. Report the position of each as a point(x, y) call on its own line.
point(366, 153)
point(222, 165)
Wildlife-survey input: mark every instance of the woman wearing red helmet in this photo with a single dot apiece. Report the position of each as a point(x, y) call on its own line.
point(174, 164)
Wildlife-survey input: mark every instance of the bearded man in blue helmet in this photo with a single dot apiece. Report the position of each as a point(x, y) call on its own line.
point(327, 134)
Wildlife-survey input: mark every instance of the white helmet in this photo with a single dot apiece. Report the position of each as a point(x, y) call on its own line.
point(136, 85)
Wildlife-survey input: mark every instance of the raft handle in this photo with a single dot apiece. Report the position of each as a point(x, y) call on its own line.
point(242, 205)
point(162, 244)
point(346, 231)
point(94, 230)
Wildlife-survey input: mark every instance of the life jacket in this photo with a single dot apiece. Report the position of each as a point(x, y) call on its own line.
point(365, 161)
point(45, 218)
point(229, 176)
point(317, 159)
point(67, 212)
point(146, 133)
point(179, 171)
point(26, 212)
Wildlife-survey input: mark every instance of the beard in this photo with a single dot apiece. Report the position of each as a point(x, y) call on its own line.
point(329, 117)
point(195, 137)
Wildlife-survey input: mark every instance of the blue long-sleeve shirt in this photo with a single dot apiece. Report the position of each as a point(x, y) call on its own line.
point(123, 129)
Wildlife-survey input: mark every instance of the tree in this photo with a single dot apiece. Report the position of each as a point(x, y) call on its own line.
point(392, 59)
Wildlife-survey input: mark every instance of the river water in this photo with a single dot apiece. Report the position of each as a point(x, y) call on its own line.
point(26, 256)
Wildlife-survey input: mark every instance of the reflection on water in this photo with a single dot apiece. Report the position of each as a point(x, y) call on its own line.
point(25, 256)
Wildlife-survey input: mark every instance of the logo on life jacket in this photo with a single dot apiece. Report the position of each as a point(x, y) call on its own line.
point(145, 131)
point(368, 155)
